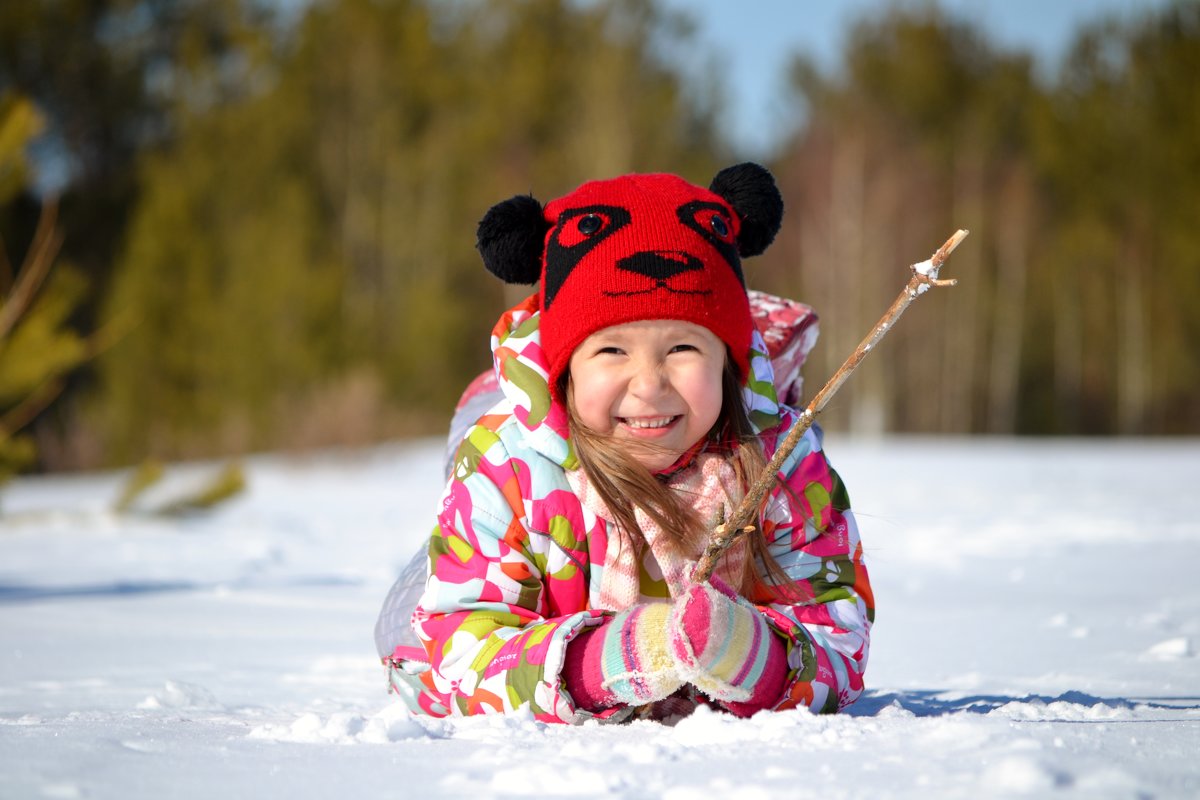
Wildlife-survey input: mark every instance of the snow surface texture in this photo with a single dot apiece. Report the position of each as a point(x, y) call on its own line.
point(1037, 635)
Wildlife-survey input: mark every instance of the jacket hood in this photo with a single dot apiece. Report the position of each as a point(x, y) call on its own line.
point(522, 370)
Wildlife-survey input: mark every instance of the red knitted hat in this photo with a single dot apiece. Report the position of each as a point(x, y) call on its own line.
point(638, 247)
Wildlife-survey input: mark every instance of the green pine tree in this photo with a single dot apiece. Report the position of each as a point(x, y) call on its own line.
point(38, 349)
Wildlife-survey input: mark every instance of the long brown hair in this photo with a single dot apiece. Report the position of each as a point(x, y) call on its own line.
point(625, 485)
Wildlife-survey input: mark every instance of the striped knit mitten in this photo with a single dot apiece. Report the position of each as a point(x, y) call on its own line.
point(725, 648)
point(625, 660)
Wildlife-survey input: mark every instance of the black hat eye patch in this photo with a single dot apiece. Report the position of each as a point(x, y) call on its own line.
point(577, 233)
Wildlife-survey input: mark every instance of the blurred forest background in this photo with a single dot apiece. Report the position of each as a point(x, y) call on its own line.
point(230, 225)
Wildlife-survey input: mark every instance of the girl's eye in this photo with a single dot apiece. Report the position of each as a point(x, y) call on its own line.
point(611, 351)
point(684, 348)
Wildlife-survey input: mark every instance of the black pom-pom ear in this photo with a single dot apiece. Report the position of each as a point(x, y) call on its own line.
point(510, 238)
point(751, 190)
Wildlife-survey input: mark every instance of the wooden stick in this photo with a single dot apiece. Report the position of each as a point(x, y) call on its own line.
point(924, 275)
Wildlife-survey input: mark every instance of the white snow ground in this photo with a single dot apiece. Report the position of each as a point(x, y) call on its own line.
point(1037, 635)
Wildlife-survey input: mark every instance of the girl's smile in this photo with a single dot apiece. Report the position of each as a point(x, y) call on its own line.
point(655, 384)
point(649, 425)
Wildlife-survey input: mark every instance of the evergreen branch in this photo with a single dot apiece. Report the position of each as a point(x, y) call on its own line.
point(17, 417)
point(148, 473)
point(228, 483)
point(6, 270)
point(33, 404)
point(42, 251)
point(108, 335)
point(924, 275)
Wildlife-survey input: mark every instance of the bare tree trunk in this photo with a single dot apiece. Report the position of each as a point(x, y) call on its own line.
point(847, 198)
point(1068, 351)
point(604, 141)
point(1012, 252)
point(1133, 357)
point(874, 394)
point(960, 350)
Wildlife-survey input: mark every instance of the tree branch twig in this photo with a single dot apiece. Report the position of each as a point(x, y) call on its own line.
point(924, 276)
point(42, 251)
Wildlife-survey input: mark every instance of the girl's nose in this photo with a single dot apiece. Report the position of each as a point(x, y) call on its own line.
point(648, 380)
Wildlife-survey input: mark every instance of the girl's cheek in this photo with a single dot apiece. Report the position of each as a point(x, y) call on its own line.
point(591, 403)
point(701, 388)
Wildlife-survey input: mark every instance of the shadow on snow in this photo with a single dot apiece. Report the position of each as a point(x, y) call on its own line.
point(16, 593)
point(933, 703)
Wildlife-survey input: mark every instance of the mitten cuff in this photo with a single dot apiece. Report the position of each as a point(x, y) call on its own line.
point(581, 672)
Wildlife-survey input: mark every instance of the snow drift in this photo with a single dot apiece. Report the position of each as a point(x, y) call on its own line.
point(1037, 634)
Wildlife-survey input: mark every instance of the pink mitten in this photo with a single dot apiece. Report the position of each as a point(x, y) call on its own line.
point(625, 660)
point(725, 648)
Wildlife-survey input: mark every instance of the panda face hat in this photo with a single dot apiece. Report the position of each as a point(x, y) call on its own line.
point(634, 248)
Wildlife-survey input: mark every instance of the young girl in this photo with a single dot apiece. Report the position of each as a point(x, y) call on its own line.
point(638, 407)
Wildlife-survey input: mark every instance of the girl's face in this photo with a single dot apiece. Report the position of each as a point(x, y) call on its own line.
point(655, 385)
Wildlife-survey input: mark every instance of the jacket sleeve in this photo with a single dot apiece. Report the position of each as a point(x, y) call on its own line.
point(814, 538)
point(483, 618)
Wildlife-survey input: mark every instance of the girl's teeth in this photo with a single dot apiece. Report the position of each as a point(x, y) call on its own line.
point(658, 422)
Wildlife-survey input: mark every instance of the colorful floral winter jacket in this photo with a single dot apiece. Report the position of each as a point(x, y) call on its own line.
point(516, 560)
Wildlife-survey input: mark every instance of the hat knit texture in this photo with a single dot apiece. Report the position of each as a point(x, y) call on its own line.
point(636, 248)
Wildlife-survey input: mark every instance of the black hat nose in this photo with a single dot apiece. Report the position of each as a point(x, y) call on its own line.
point(660, 265)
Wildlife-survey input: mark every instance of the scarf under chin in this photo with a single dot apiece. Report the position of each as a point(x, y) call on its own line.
point(708, 483)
